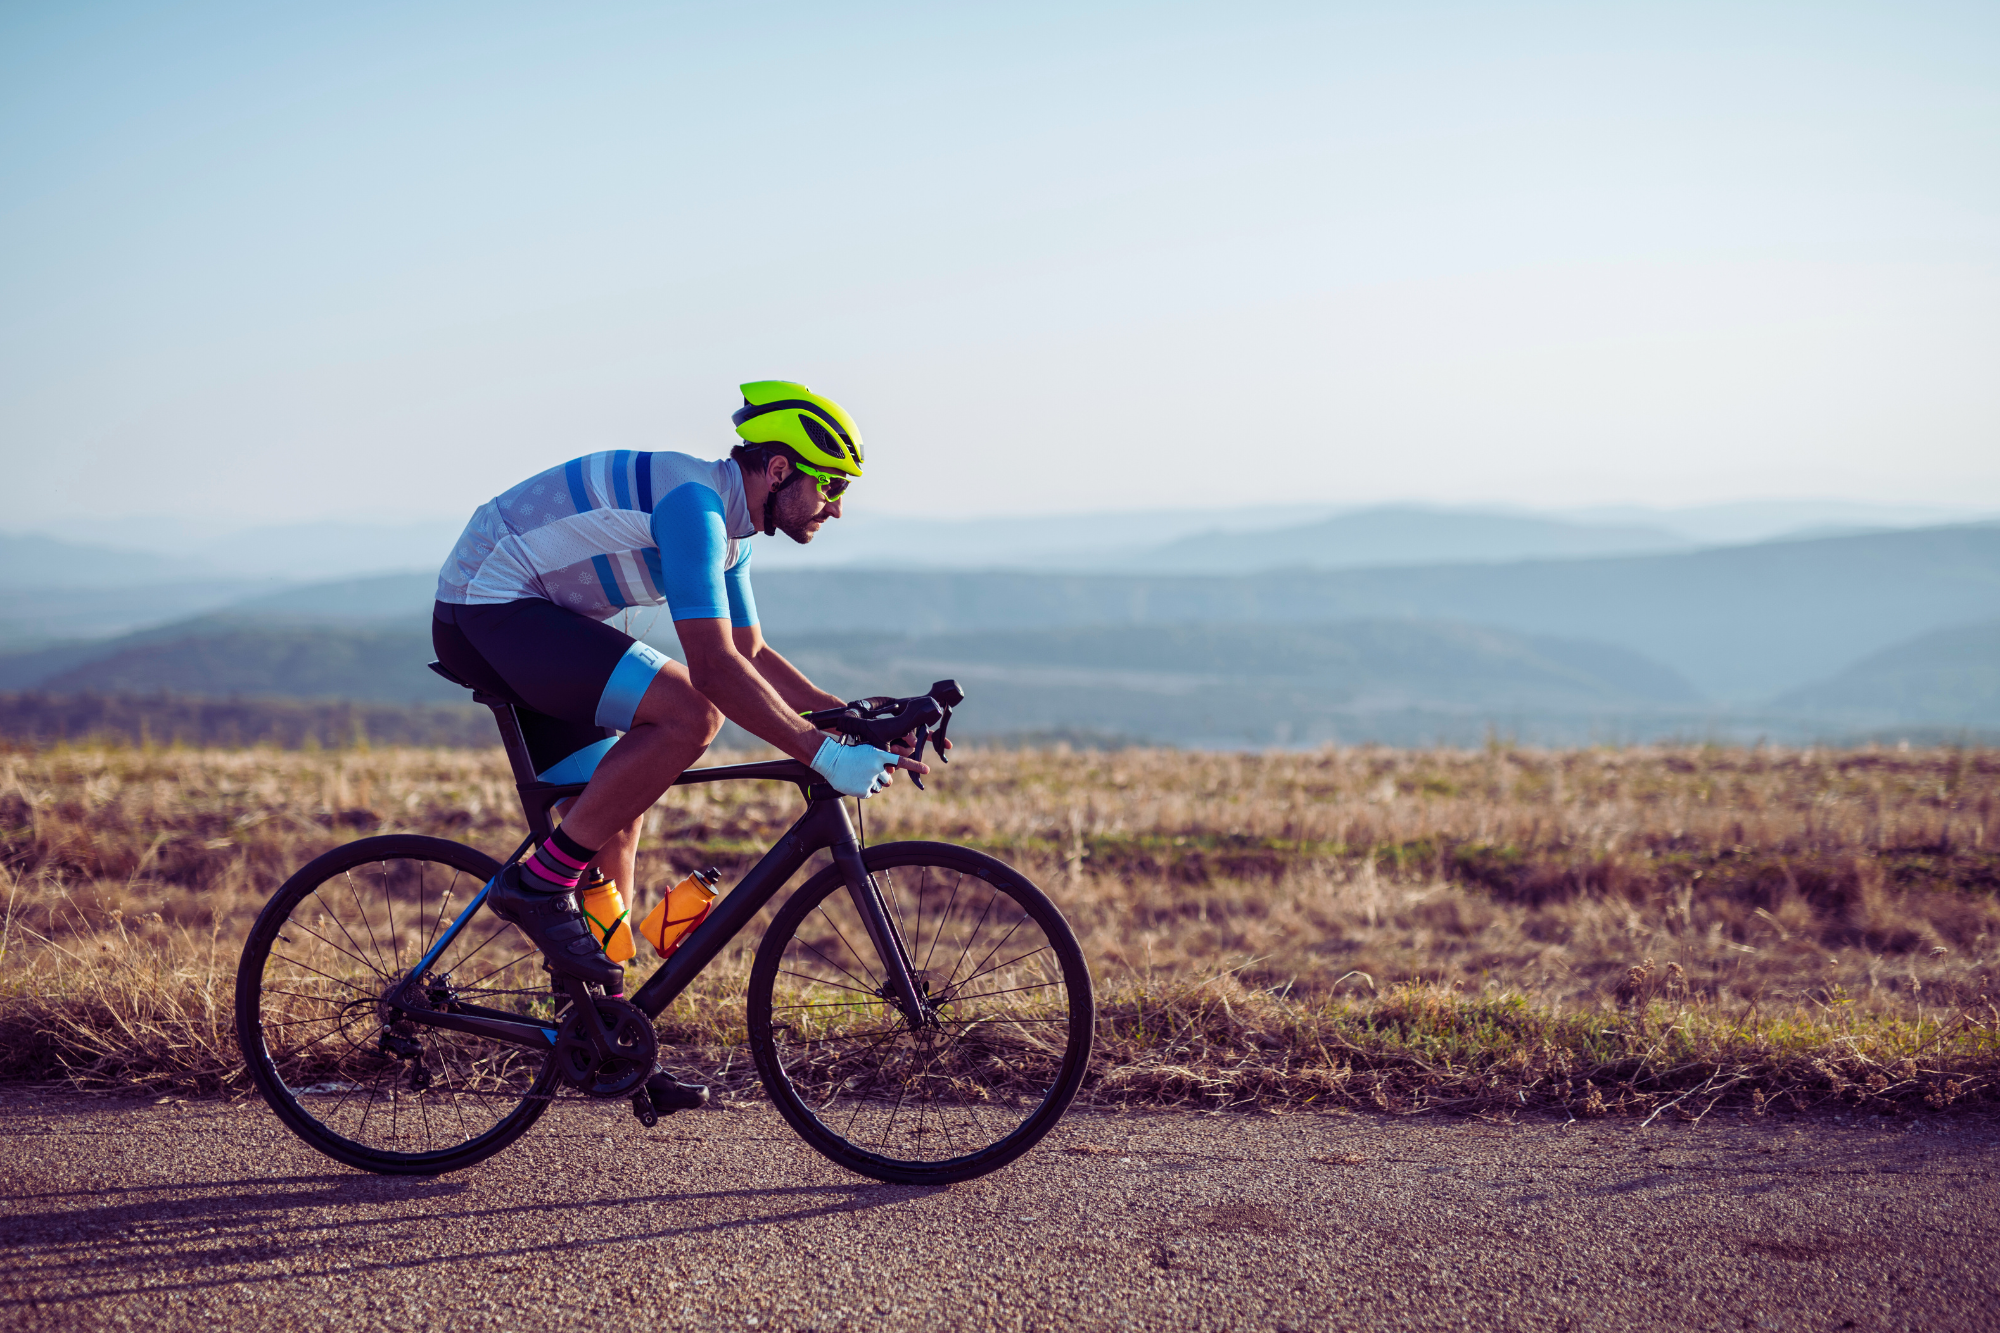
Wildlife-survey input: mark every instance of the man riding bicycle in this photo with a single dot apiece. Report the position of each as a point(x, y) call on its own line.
point(522, 606)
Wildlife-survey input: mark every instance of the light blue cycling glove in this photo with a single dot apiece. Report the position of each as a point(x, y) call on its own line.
point(854, 770)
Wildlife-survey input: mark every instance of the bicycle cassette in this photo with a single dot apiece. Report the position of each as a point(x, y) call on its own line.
point(628, 1032)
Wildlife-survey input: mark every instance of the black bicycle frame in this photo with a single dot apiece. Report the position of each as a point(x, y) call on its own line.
point(824, 825)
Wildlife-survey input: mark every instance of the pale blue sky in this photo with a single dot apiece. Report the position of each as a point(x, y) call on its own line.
point(384, 260)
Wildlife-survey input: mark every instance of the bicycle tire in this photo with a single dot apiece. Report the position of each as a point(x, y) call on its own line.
point(847, 1070)
point(310, 1026)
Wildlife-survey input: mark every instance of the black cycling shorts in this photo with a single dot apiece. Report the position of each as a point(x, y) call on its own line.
point(577, 681)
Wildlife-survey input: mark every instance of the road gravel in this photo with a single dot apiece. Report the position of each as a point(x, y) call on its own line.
point(176, 1215)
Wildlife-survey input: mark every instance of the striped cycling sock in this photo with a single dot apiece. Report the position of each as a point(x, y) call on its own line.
point(557, 864)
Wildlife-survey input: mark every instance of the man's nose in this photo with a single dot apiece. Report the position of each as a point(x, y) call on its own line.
point(832, 508)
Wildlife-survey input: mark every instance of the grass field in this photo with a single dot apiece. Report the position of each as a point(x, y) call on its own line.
point(1598, 931)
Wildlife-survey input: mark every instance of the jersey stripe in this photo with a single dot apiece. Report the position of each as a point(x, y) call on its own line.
point(609, 580)
point(631, 576)
point(597, 479)
point(573, 474)
point(645, 473)
point(621, 463)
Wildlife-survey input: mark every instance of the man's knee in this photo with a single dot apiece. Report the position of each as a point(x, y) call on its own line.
point(678, 709)
point(704, 723)
point(686, 716)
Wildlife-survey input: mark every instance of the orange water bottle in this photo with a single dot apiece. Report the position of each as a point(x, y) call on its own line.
point(604, 906)
point(680, 911)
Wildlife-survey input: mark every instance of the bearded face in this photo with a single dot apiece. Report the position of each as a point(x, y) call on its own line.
point(800, 510)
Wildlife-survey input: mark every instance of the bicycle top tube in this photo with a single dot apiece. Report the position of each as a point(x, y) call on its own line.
point(785, 770)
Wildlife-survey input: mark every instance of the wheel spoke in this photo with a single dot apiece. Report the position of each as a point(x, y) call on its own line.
point(304, 929)
point(338, 981)
point(972, 935)
point(997, 947)
point(938, 934)
point(852, 952)
point(822, 981)
point(987, 971)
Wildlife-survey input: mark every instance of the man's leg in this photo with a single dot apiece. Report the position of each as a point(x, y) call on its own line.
point(616, 859)
point(670, 729)
point(673, 726)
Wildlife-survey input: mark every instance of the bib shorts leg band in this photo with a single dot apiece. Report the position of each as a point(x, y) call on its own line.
point(575, 682)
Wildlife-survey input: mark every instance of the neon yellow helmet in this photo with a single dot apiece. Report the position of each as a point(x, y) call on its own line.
point(816, 428)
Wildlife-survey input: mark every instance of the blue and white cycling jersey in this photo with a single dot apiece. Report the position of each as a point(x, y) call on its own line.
point(611, 530)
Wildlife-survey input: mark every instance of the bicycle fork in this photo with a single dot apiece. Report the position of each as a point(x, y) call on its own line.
point(900, 988)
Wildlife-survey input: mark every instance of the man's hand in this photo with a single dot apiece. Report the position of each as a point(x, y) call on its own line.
point(907, 745)
point(902, 746)
point(859, 770)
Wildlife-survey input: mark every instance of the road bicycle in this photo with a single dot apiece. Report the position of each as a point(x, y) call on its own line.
point(918, 1012)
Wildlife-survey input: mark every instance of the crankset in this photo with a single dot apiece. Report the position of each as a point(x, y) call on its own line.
point(611, 1056)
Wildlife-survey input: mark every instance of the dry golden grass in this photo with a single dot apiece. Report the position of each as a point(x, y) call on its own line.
point(1591, 929)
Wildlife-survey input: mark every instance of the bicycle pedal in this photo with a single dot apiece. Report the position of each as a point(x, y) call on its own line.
point(668, 1094)
point(642, 1106)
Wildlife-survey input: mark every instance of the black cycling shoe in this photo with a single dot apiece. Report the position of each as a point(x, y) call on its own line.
point(669, 1096)
point(555, 924)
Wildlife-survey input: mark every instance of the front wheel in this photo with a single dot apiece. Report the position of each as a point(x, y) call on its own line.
point(988, 1069)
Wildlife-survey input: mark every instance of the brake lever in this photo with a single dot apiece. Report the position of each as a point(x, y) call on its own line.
point(922, 734)
point(944, 745)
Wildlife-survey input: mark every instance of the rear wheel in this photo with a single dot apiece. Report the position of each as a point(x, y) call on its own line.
point(979, 1080)
point(347, 1074)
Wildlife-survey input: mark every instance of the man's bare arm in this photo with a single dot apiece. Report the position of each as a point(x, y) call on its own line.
point(727, 679)
point(790, 682)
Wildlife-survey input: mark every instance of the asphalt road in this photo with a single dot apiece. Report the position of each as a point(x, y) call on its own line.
point(202, 1216)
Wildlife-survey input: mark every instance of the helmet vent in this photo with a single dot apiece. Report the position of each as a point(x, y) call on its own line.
point(820, 436)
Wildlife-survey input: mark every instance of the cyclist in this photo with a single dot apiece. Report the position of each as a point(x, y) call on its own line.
point(522, 606)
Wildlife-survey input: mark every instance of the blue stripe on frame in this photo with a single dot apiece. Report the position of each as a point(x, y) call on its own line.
point(573, 474)
point(609, 578)
point(620, 461)
point(645, 472)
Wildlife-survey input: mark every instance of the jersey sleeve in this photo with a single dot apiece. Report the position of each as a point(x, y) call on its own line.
point(736, 582)
point(693, 540)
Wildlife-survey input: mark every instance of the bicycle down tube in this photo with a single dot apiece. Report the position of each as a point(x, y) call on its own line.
point(823, 825)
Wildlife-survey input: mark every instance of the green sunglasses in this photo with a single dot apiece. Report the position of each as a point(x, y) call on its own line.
point(831, 485)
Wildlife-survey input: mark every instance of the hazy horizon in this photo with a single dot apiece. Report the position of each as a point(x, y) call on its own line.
point(354, 546)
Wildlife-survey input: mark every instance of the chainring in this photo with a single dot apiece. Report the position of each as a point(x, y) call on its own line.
point(635, 1050)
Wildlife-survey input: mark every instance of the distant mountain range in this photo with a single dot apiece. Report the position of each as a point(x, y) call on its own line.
point(1381, 538)
point(1319, 537)
point(1402, 681)
point(1396, 681)
point(1806, 635)
point(125, 552)
point(33, 617)
point(52, 562)
point(1212, 543)
point(222, 659)
point(294, 551)
point(1948, 677)
point(1742, 623)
